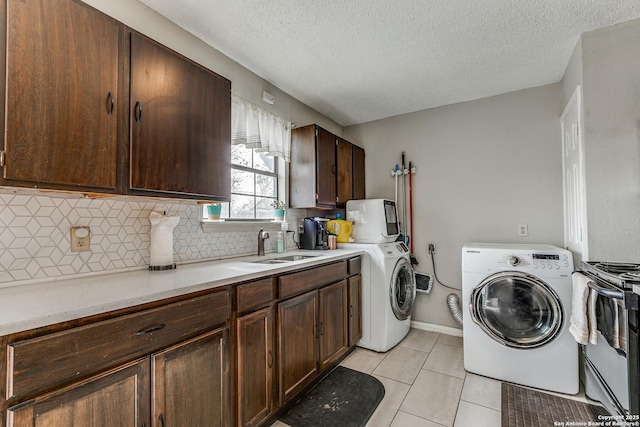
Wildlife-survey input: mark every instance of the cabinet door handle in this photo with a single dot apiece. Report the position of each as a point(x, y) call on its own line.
point(137, 112)
point(350, 311)
point(270, 360)
point(161, 420)
point(151, 329)
point(321, 328)
point(317, 331)
point(109, 103)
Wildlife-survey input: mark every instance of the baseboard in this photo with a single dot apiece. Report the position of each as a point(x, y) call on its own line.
point(432, 327)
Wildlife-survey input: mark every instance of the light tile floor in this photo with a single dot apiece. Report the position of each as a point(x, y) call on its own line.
point(426, 385)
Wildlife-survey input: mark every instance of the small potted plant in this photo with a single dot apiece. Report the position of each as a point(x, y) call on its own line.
point(213, 210)
point(278, 207)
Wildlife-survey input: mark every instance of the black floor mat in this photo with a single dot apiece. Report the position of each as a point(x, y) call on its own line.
point(344, 398)
point(523, 407)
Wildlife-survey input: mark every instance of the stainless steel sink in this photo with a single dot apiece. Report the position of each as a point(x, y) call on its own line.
point(283, 259)
point(269, 261)
point(294, 257)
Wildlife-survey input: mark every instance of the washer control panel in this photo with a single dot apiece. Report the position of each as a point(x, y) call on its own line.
point(394, 249)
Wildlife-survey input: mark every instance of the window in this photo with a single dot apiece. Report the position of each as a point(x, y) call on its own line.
point(255, 180)
point(260, 146)
point(254, 183)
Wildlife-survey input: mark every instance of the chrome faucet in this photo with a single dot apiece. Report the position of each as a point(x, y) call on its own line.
point(261, 236)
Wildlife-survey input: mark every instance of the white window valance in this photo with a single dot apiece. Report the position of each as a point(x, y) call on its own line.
point(257, 128)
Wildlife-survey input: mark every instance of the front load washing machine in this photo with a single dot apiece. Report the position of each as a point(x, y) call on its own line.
point(516, 308)
point(388, 293)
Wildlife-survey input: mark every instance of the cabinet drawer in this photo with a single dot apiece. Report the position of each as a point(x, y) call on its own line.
point(57, 358)
point(295, 283)
point(355, 264)
point(255, 294)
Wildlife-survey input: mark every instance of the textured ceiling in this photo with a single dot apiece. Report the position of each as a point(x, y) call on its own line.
point(360, 60)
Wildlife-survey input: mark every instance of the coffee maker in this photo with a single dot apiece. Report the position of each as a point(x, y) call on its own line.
point(313, 234)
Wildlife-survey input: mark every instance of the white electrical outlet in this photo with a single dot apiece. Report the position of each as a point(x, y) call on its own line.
point(80, 239)
point(523, 230)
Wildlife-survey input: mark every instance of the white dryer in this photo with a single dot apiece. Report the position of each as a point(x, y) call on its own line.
point(388, 293)
point(516, 309)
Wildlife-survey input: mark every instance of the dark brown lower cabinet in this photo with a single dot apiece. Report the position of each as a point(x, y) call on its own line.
point(170, 364)
point(355, 304)
point(256, 365)
point(189, 387)
point(190, 383)
point(332, 323)
point(297, 343)
point(158, 366)
point(312, 335)
point(116, 398)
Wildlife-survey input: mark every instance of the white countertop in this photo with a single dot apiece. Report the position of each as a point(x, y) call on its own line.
point(31, 306)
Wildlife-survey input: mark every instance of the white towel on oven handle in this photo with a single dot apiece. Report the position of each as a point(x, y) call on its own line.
point(582, 321)
point(592, 321)
point(620, 330)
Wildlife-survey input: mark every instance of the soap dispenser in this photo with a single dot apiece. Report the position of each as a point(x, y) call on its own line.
point(279, 242)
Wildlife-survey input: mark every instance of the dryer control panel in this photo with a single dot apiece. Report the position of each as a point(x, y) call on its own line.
point(540, 260)
point(550, 261)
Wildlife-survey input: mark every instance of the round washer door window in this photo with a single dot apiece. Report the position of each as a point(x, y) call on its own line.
point(403, 289)
point(517, 310)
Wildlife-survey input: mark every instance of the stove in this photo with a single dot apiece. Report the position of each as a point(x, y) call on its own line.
point(612, 366)
point(619, 274)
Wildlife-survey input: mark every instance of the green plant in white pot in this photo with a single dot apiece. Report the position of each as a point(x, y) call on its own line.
point(213, 211)
point(278, 207)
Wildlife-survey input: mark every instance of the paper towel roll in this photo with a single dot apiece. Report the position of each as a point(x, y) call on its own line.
point(161, 249)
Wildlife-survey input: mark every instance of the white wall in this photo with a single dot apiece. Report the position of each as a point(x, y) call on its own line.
point(483, 167)
point(573, 73)
point(243, 82)
point(611, 73)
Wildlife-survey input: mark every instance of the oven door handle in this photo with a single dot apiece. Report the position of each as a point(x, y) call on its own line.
point(610, 293)
point(630, 300)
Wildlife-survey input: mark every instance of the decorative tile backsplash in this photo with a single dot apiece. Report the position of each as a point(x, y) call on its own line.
point(35, 235)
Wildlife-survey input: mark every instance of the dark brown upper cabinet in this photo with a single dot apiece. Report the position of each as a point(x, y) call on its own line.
point(358, 173)
point(312, 170)
point(93, 106)
point(323, 169)
point(344, 162)
point(180, 119)
point(63, 95)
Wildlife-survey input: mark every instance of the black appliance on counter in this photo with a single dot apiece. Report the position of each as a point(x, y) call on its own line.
point(313, 234)
point(612, 368)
